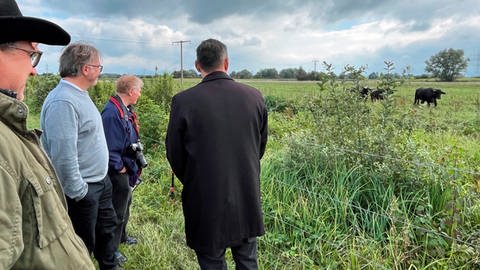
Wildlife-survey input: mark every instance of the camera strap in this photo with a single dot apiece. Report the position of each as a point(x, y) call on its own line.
point(123, 110)
point(117, 101)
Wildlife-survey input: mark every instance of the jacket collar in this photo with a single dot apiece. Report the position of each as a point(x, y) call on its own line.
point(13, 112)
point(216, 75)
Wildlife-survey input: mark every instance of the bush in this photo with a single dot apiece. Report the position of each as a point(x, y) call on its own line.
point(278, 104)
point(159, 89)
point(153, 120)
point(38, 88)
point(101, 92)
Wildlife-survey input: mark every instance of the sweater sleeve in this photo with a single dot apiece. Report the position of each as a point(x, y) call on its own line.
point(60, 141)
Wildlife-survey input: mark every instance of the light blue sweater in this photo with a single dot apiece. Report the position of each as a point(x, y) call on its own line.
point(73, 138)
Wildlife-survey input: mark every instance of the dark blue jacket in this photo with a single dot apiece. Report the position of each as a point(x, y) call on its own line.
point(120, 134)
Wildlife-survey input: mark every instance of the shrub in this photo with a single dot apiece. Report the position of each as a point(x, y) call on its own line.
point(153, 120)
point(159, 89)
point(278, 104)
point(101, 92)
point(38, 88)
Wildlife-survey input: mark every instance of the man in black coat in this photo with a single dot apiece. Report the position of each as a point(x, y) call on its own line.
point(216, 137)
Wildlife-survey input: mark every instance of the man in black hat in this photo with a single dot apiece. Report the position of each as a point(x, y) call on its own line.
point(35, 229)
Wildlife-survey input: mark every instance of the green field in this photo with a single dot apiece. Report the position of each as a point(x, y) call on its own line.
point(346, 183)
point(333, 205)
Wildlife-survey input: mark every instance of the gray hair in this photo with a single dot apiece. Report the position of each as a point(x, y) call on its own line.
point(74, 56)
point(125, 82)
point(7, 45)
point(210, 54)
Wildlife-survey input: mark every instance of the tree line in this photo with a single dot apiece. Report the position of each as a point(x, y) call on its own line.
point(446, 65)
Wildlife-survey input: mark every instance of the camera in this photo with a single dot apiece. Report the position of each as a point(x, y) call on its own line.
point(137, 150)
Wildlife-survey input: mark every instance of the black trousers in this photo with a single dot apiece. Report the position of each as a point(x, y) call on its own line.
point(94, 220)
point(244, 254)
point(121, 198)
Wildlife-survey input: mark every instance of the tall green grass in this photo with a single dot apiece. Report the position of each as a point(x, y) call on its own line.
point(346, 184)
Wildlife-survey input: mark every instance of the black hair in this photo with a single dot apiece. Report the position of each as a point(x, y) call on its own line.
point(210, 54)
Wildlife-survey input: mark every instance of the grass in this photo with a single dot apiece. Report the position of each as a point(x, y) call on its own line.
point(322, 212)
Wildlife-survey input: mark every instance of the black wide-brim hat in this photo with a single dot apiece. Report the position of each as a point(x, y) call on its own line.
point(16, 27)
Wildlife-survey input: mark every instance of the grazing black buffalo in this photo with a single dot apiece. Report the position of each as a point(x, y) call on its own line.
point(362, 92)
point(377, 94)
point(365, 91)
point(428, 95)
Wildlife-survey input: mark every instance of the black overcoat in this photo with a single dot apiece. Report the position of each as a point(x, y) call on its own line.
point(215, 139)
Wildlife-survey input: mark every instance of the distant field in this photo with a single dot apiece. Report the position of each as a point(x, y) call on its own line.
point(462, 98)
point(286, 88)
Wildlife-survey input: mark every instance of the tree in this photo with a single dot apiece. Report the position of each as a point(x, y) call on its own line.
point(373, 76)
point(268, 73)
point(245, 74)
point(186, 74)
point(301, 74)
point(288, 73)
point(447, 65)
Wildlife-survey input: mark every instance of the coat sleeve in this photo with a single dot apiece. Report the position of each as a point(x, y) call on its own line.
point(11, 244)
point(264, 132)
point(115, 135)
point(174, 142)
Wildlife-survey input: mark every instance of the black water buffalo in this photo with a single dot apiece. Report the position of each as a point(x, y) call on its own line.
point(362, 92)
point(377, 94)
point(365, 91)
point(428, 95)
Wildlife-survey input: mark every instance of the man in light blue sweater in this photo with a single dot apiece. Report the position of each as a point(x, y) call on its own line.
point(75, 141)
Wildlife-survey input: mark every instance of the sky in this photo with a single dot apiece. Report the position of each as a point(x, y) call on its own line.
point(137, 37)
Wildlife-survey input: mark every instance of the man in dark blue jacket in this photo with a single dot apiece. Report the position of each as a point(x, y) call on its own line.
point(122, 134)
point(216, 137)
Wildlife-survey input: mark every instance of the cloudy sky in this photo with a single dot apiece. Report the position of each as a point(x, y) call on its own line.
point(137, 36)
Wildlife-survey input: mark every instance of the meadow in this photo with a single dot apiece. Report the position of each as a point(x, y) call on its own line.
point(346, 183)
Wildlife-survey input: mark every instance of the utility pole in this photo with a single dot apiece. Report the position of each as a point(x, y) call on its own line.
point(315, 61)
point(181, 59)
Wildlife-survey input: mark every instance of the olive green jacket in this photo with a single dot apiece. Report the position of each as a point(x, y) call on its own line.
point(35, 230)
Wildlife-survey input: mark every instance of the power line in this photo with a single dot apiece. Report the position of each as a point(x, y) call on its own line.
point(126, 40)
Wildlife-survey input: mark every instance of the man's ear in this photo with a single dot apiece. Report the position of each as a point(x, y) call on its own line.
point(225, 64)
point(84, 69)
point(197, 66)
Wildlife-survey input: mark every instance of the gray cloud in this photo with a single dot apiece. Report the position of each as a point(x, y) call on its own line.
point(269, 33)
point(204, 12)
point(325, 11)
point(107, 9)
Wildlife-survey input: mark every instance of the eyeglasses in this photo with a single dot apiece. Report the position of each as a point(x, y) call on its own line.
point(34, 55)
point(97, 66)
